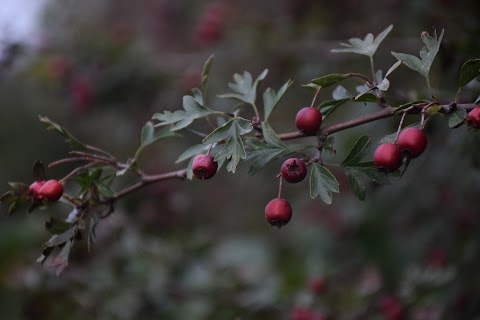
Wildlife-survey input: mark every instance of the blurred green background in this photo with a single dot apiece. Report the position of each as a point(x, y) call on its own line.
point(202, 249)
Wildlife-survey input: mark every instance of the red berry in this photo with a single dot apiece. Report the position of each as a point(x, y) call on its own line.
point(412, 142)
point(82, 94)
point(391, 307)
point(387, 157)
point(278, 212)
point(34, 190)
point(318, 285)
point(473, 118)
point(301, 314)
point(294, 170)
point(51, 190)
point(308, 120)
point(204, 166)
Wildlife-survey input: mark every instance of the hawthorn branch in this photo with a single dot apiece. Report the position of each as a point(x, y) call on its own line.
point(149, 179)
point(386, 112)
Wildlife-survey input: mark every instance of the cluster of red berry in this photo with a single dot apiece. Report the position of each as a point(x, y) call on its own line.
point(410, 144)
point(278, 212)
point(50, 190)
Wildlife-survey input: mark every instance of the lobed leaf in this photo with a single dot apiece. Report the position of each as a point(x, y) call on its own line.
point(368, 46)
point(245, 89)
point(271, 99)
point(322, 183)
point(69, 138)
point(427, 55)
point(183, 118)
point(233, 148)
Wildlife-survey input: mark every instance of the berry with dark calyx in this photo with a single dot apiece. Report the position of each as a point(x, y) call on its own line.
point(308, 120)
point(293, 170)
point(387, 157)
point(34, 190)
point(278, 212)
point(51, 190)
point(473, 118)
point(204, 166)
point(412, 142)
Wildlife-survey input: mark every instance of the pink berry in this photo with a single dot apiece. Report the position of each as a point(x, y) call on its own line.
point(473, 118)
point(51, 190)
point(387, 157)
point(412, 142)
point(34, 190)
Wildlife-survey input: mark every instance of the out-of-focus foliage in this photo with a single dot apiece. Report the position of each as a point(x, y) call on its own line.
point(202, 249)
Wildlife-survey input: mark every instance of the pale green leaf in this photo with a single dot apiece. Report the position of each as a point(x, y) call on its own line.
point(245, 89)
point(368, 46)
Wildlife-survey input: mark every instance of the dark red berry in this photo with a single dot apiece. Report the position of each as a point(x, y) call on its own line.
point(318, 285)
point(308, 120)
point(204, 166)
point(294, 170)
point(51, 190)
point(278, 212)
point(391, 307)
point(412, 142)
point(34, 189)
point(301, 314)
point(473, 118)
point(387, 157)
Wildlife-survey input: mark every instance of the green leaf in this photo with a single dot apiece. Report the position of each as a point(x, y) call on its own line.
point(105, 190)
point(191, 152)
point(368, 46)
point(58, 239)
point(359, 151)
point(264, 157)
point(183, 118)
point(322, 183)
point(205, 73)
point(57, 226)
point(271, 100)
point(235, 126)
point(244, 87)
point(427, 55)
point(360, 174)
point(329, 106)
point(457, 118)
point(271, 137)
point(369, 169)
point(147, 133)
point(233, 149)
point(329, 146)
point(329, 79)
point(433, 109)
point(357, 182)
point(69, 138)
point(469, 71)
